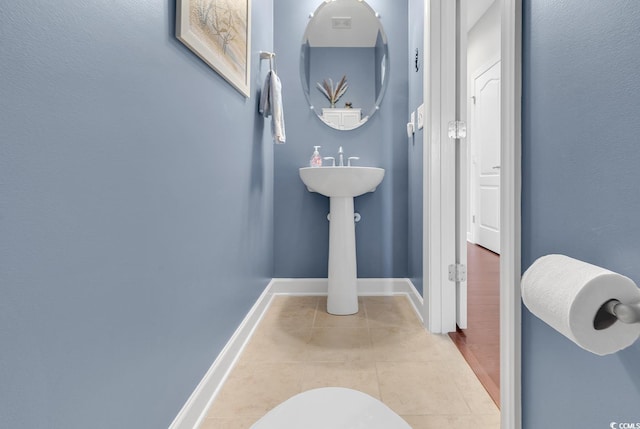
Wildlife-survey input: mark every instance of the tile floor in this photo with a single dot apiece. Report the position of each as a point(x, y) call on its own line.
point(383, 351)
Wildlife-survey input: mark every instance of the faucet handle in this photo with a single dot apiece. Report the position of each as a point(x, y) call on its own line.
point(350, 158)
point(326, 158)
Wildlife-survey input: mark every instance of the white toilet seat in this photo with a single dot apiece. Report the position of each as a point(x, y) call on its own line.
point(331, 408)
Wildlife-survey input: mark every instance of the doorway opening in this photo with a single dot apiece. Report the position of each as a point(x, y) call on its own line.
point(477, 335)
point(446, 186)
point(478, 162)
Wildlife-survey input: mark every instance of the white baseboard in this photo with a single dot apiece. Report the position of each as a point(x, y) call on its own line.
point(195, 409)
point(470, 237)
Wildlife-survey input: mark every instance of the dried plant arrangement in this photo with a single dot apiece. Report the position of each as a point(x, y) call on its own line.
point(333, 94)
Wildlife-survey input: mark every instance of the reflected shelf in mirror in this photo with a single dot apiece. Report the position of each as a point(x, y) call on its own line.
point(343, 119)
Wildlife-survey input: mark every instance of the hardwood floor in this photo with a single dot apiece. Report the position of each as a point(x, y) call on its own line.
point(480, 342)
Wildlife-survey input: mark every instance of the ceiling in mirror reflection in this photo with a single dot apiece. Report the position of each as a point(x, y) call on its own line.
point(344, 24)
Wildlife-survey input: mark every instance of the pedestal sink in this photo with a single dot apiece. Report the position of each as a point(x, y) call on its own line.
point(342, 185)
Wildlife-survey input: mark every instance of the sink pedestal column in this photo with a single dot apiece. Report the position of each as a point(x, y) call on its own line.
point(343, 283)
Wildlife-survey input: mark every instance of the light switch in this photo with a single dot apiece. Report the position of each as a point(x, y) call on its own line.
point(421, 116)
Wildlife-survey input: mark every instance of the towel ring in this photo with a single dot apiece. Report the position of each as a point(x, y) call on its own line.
point(265, 55)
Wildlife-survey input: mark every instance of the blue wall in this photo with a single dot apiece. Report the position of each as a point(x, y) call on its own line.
point(416, 144)
point(301, 226)
point(581, 98)
point(136, 212)
point(333, 63)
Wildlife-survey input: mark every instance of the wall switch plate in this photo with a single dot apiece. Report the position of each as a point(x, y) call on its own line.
point(421, 116)
point(413, 118)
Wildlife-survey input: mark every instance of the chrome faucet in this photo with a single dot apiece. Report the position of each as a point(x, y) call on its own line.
point(341, 157)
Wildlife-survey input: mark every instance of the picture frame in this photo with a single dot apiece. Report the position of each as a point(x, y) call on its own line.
point(219, 32)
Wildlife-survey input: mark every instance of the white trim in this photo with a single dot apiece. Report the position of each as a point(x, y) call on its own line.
point(416, 299)
point(448, 146)
point(510, 269)
point(366, 287)
point(432, 311)
point(439, 196)
point(195, 409)
point(462, 215)
point(510, 228)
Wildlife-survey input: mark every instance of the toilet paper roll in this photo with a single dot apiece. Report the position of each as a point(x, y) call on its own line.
point(567, 293)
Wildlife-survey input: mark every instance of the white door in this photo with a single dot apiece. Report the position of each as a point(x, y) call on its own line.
point(485, 143)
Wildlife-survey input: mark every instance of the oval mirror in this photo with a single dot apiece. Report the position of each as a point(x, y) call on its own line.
point(344, 63)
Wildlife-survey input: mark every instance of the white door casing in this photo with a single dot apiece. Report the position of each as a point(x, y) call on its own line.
point(439, 19)
point(510, 215)
point(462, 162)
point(439, 198)
point(485, 144)
point(433, 259)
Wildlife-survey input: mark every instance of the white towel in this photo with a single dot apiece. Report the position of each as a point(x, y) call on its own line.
point(271, 105)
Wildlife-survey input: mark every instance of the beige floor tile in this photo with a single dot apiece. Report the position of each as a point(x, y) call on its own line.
point(291, 311)
point(461, 369)
point(466, 422)
point(383, 351)
point(418, 388)
point(395, 311)
point(339, 345)
point(446, 343)
point(472, 390)
point(408, 345)
point(479, 401)
point(253, 389)
point(326, 320)
point(235, 423)
point(360, 376)
point(474, 394)
point(277, 344)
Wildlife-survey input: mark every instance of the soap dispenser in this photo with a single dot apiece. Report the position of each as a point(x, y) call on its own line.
point(316, 159)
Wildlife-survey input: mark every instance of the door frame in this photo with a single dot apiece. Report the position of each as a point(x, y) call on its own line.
point(439, 153)
point(439, 188)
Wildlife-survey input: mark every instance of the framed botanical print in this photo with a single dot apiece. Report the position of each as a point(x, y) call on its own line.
point(219, 32)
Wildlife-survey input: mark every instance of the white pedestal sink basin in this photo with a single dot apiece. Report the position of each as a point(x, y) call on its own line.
point(341, 185)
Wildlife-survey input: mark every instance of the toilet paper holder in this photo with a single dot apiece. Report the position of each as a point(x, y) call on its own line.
point(613, 310)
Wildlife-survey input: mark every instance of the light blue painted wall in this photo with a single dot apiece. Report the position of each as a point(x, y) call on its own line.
point(581, 98)
point(416, 41)
point(333, 63)
point(136, 212)
point(301, 226)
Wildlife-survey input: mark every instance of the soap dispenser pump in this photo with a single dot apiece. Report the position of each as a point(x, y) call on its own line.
point(316, 159)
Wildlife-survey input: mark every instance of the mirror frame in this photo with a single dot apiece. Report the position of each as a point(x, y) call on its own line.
point(385, 69)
